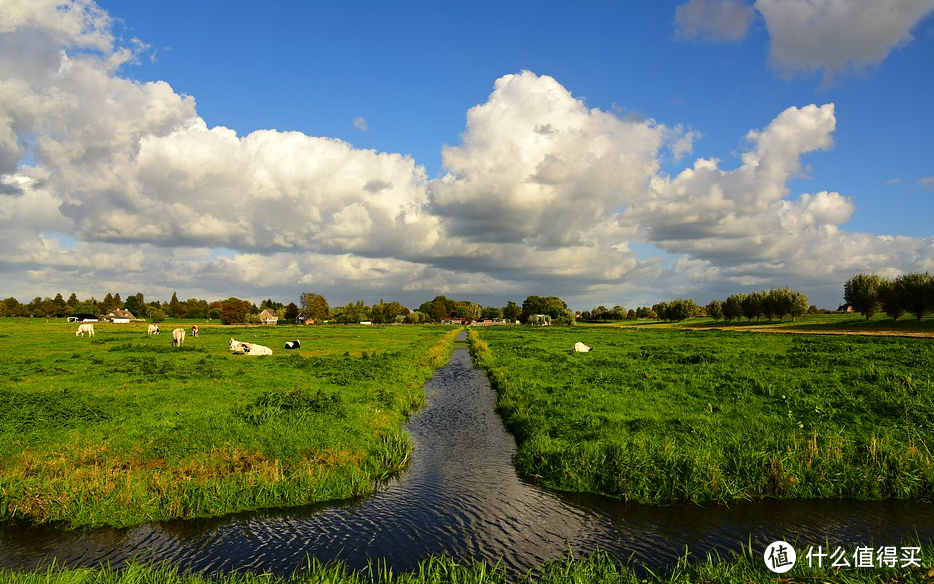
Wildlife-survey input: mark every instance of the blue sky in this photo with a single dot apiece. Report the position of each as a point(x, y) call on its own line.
point(411, 140)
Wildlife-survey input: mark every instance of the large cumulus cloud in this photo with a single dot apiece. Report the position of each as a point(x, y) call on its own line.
point(108, 184)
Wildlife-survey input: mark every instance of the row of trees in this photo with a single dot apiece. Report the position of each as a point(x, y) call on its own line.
point(868, 294)
point(617, 313)
point(156, 311)
point(909, 293)
point(780, 302)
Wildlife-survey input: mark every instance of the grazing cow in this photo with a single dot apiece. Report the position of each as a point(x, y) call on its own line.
point(85, 328)
point(195, 330)
point(178, 337)
point(580, 347)
point(296, 344)
point(153, 329)
point(248, 348)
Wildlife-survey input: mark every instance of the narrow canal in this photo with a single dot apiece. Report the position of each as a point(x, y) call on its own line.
point(460, 496)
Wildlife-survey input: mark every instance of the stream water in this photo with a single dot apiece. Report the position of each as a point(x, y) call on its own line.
point(460, 496)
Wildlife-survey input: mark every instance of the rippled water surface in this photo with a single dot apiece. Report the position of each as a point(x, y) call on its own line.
point(460, 496)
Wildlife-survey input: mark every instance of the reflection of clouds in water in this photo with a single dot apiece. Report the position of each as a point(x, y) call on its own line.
point(460, 496)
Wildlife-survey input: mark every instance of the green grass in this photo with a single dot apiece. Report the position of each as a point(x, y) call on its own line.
point(596, 568)
point(665, 414)
point(828, 323)
point(121, 428)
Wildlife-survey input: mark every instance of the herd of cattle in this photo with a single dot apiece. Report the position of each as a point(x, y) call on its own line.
point(178, 337)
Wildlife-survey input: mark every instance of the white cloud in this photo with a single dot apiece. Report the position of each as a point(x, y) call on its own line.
point(716, 20)
point(360, 124)
point(927, 183)
point(837, 35)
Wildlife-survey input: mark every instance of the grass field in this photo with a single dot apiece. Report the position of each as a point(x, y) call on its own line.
point(661, 414)
point(122, 428)
point(597, 568)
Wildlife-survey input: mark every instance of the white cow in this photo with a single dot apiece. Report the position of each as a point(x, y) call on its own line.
point(85, 328)
point(178, 337)
point(580, 347)
point(248, 348)
point(153, 329)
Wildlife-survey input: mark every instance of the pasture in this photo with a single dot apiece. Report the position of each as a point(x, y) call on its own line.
point(666, 414)
point(122, 428)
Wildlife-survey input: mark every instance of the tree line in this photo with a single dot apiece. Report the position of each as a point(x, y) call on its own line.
point(911, 293)
point(314, 306)
point(776, 302)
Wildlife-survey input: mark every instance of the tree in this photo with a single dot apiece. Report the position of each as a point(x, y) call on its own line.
point(752, 305)
point(715, 309)
point(733, 307)
point(291, 312)
point(491, 313)
point(474, 311)
point(862, 293)
point(315, 306)
point(799, 305)
point(511, 311)
point(234, 310)
point(681, 309)
point(175, 308)
point(915, 293)
point(136, 305)
point(889, 301)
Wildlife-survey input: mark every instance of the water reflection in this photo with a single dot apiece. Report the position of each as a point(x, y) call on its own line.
point(460, 496)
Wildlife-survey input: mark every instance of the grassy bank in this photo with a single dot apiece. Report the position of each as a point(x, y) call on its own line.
point(668, 415)
point(121, 428)
point(597, 568)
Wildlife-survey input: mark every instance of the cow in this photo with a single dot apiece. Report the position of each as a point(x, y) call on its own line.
point(296, 344)
point(152, 329)
point(195, 330)
point(580, 347)
point(178, 337)
point(85, 328)
point(248, 348)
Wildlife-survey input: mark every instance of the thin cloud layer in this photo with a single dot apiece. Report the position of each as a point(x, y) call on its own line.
point(837, 35)
point(716, 20)
point(108, 184)
point(808, 36)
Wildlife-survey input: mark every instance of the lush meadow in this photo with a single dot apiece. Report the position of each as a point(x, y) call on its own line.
point(122, 428)
point(667, 414)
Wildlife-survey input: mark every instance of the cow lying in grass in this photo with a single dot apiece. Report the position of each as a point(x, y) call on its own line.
point(296, 344)
point(580, 347)
point(85, 328)
point(248, 348)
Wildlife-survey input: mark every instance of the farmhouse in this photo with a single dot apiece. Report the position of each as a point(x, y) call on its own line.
point(267, 316)
point(120, 316)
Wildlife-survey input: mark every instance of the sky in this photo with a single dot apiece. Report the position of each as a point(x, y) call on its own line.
point(606, 152)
